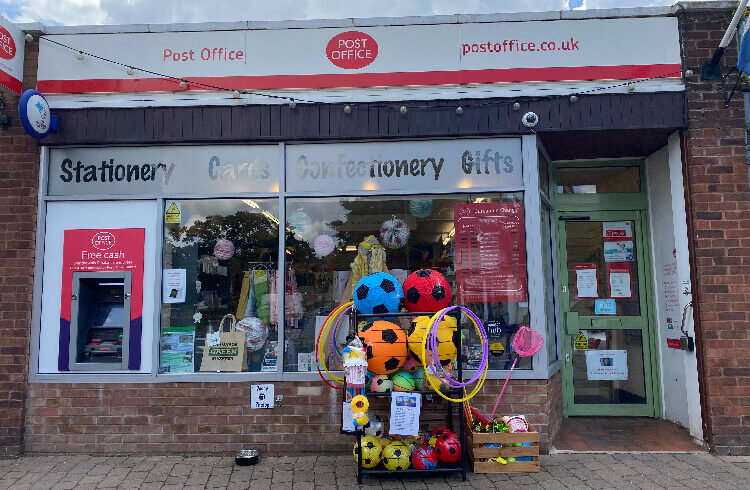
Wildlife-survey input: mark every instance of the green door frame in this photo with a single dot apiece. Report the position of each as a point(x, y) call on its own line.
point(609, 207)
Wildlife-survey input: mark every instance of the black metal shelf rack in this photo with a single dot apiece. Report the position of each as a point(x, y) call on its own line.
point(460, 467)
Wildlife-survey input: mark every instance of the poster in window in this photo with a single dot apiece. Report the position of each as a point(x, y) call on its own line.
point(103, 250)
point(618, 241)
point(490, 252)
point(620, 277)
point(587, 281)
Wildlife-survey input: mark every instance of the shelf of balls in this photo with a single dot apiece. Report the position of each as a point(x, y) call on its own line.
point(443, 468)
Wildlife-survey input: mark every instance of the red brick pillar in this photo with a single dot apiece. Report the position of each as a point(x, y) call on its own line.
point(718, 201)
point(19, 174)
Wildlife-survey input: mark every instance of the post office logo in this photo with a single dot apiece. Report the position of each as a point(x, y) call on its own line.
point(7, 45)
point(103, 240)
point(352, 50)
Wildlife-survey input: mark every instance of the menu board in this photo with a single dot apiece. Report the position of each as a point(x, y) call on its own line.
point(490, 252)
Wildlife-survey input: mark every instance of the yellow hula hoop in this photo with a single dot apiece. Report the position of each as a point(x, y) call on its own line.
point(431, 378)
point(324, 335)
point(360, 400)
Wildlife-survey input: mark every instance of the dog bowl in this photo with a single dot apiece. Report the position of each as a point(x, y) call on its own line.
point(246, 457)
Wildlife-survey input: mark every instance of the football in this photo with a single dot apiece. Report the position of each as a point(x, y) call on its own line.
point(420, 383)
point(385, 345)
point(378, 293)
point(402, 381)
point(426, 290)
point(396, 456)
point(447, 329)
point(448, 448)
point(424, 458)
point(376, 427)
point(381, 384)
point(371, 450)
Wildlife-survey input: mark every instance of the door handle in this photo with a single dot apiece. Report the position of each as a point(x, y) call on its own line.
point(574, 218)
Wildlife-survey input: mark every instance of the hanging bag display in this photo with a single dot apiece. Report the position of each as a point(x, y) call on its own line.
point(229, 354)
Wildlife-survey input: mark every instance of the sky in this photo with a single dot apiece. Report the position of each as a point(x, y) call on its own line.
point(84, 12)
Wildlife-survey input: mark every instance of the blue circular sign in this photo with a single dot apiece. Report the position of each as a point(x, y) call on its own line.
point(35, 115)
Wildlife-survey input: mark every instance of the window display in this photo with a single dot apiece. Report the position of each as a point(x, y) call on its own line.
point(338, 240)
point(227, 253)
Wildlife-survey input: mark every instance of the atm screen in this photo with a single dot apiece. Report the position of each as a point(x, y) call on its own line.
point(109, 315)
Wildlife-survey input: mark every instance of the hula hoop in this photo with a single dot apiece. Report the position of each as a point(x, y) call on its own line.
point(434, 355)
point(322, 335)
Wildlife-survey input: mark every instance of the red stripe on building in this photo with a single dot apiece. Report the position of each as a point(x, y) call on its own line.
point(10, 82)
point(356, 80)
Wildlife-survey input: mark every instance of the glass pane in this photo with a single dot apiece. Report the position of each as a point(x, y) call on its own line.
point(543, 174)
point(611, 369)
point(601, 180)
point(602, 268)
point(227, 250)
point(328, 234)
point(549, 287)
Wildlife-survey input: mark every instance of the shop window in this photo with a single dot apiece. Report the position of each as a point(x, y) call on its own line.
point(549, 284)
point(327, 251)
point(601, 180)
point(220, 265)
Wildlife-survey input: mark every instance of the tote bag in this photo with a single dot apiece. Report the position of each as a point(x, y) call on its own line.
point(229, 354)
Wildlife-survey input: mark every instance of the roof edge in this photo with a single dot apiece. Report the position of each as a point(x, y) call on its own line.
point(367, 22)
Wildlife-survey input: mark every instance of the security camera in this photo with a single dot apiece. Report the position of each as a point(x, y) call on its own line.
point(530, 119)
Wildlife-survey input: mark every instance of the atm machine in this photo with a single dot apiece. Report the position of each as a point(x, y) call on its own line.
point(100, 321)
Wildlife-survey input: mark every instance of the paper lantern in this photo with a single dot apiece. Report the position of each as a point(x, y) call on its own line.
point(256, 332)
point(386, 346)
point(224, 249)
point(300, 223)
point(323, 245)
point(394, 233)
point(421, 208)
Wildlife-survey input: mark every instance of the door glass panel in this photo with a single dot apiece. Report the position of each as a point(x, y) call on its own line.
point(611, 369)
point(602, 268)
point(585, 180)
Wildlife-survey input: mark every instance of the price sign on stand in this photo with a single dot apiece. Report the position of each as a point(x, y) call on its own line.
point(261, 396)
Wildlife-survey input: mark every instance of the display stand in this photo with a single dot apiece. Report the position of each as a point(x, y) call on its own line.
point(443, 468)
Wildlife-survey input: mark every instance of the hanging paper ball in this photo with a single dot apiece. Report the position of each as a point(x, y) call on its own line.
point(378, 293)
point(424, 458)
point(394, 233)
point(300, 223)
point(256, 332)
point(421, 208)
point(224, 249)
point(386, 347)
point(426, 290)
point(323, 245)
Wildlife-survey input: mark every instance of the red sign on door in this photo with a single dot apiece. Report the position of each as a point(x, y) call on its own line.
point(490, 252)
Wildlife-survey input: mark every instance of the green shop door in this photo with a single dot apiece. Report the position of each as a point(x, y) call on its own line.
point(607, 347)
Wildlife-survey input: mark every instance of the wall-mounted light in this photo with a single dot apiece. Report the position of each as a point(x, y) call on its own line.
point(347, 109)
point(29, 38)
point(516, 106)
point(292, 104)
point(130, 71)
point(236, 94)
point(183, 84)
point(402, 110)
point(573, 99)
point(79, 55)
point(459, 110)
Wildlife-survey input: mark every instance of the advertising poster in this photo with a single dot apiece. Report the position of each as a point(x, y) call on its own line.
point(173, 286)
point(587, 282)
point(490, 252)
point(620, 280)
point(103, 250)
point(618, 241)
point(607, 364)
point(177, 350)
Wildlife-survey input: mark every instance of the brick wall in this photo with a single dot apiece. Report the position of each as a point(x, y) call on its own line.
point(216, 418)
point(19, 167)
point(718, 205)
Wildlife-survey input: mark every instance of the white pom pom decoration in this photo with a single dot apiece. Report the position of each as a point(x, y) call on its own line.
point(224, 249)
point(394, 233)
point(421, 208)
point(323, 245)
point(256, 332)
point(300, 223)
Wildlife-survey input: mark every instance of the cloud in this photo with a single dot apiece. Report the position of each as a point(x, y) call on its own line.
point(80, 12)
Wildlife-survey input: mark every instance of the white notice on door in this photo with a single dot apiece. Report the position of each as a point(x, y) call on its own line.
point(606, 364)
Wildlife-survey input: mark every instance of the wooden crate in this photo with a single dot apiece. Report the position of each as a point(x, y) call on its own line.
point(478, 453)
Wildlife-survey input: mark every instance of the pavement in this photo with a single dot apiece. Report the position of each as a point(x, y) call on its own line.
point(559, 471)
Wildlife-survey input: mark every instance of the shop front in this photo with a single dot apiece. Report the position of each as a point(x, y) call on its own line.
point(172, 211)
